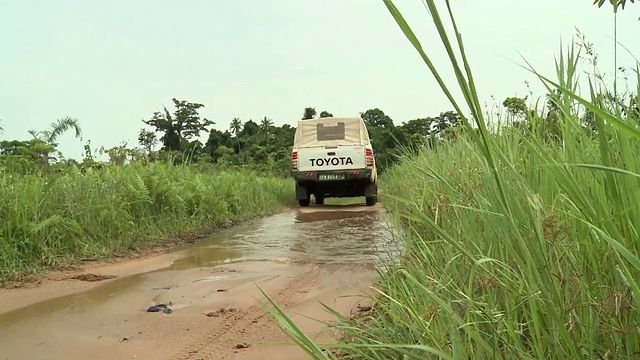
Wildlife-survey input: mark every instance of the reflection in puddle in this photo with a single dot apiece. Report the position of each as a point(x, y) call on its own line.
point(338, 237)
point(202, 256)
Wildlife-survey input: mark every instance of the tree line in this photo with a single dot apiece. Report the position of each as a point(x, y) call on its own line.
point(261, 144)
point(174, 134)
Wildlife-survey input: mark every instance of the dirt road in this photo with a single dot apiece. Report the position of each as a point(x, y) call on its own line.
point(300, 258)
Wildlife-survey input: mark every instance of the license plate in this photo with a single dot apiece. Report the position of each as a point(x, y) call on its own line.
point(325, 177)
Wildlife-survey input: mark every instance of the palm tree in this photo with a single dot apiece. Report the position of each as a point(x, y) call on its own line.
point(309, 113)
point(236, 129)
point(236, 126)
point(57, 128)
point(265, 125)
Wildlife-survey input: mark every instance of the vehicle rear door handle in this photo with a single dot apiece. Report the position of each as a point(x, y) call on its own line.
point(331, 153)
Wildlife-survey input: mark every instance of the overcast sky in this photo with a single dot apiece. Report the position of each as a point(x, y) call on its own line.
point(111, 64)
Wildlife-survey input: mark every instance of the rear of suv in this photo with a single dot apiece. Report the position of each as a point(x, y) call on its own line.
point(333, 157)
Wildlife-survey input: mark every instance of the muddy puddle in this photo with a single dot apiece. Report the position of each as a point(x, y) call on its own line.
point(322, 236)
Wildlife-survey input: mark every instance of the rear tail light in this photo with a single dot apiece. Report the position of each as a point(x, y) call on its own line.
point(368, 157)
point(294, 161)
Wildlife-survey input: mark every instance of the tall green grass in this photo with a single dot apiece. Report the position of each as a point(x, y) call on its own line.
point(48, 220)
point(520, 244)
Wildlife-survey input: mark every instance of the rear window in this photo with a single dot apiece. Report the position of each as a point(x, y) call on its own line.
point(325, 133)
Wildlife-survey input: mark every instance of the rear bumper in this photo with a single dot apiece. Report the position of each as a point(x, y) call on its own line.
point(358, 174)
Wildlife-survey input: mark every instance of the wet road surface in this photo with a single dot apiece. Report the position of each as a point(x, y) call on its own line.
point(316, 235)
point(299, 257)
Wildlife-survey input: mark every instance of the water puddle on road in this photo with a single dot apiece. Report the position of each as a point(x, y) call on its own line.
point(321, 235)
point(311, 235)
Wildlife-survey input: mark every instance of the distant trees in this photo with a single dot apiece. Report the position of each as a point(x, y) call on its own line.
point(236, 126)
point(260, 144)
point(308, 113)
point(49, 137)
point(265, 126)
point(376, 118)
point(147, 139)
point(178, 128)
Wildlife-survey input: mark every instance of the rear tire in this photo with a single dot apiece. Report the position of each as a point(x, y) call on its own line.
point(304, 202)
point(372, 200)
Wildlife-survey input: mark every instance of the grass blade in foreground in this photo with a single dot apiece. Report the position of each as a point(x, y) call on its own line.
point(313, 350)
point(294, 332)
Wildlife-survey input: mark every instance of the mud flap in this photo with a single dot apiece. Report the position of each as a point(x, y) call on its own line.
point(371, 189)
point(301, 192)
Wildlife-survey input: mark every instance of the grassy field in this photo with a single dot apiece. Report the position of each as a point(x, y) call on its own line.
point(51, 220)
point(522, 242)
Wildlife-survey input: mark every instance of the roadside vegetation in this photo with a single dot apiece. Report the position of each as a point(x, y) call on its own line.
point(50, 220)
point(55, 210)
point(521, 232)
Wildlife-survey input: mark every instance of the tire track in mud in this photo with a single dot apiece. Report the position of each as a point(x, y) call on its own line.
point(235, 325)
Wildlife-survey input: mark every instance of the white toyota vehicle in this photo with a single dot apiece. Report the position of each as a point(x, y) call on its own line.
point(333, 157)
